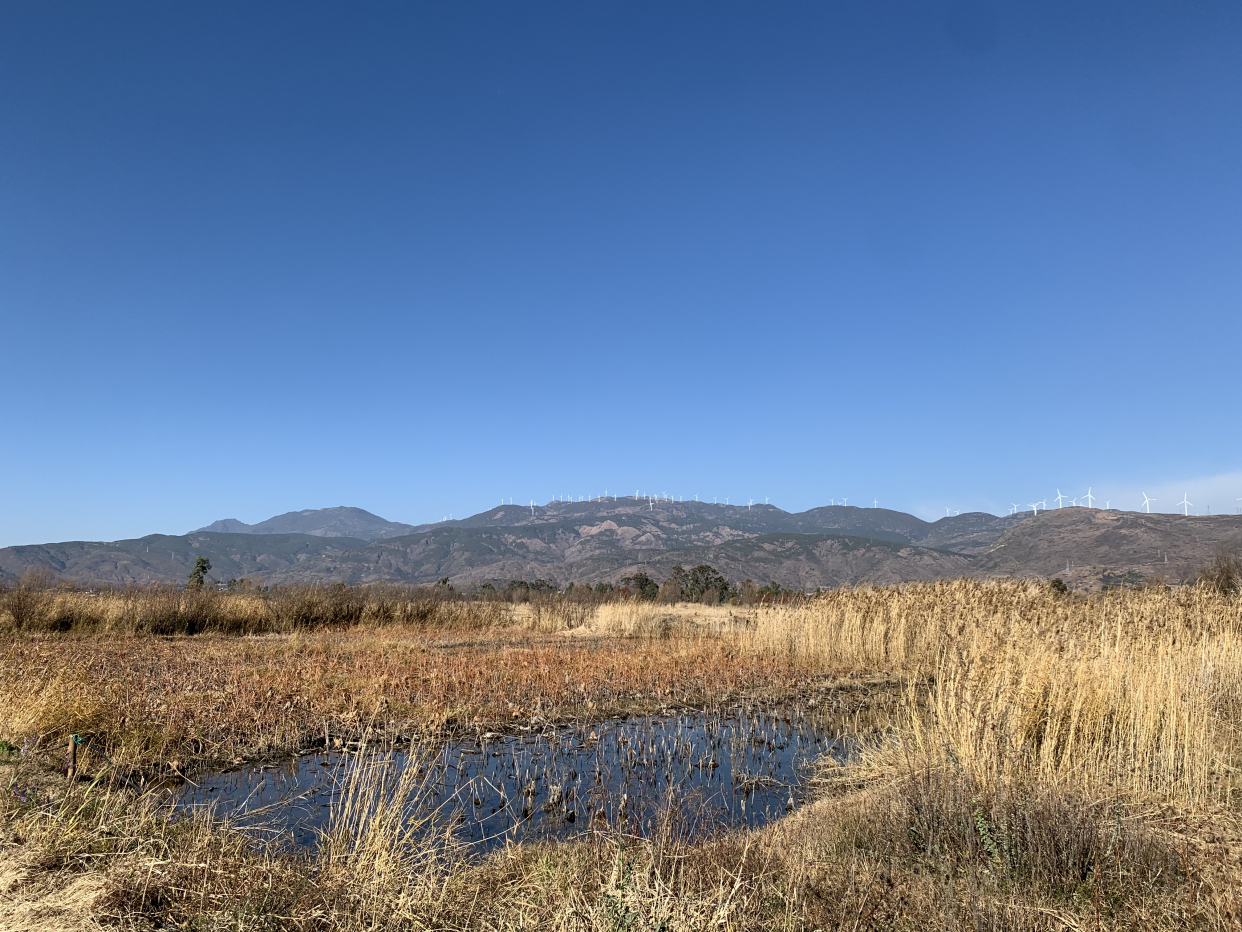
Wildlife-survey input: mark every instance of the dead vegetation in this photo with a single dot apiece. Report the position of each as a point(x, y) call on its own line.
point(1054, 762)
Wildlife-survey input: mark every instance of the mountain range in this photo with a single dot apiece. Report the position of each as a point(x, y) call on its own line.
point(606, 540)
point(319, 522)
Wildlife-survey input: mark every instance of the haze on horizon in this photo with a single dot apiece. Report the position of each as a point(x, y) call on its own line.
point(417, 258)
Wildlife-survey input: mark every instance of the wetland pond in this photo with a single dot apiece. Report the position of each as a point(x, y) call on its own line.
point(742, 766)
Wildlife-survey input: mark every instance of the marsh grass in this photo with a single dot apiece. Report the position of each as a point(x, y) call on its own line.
point(1053, 762)
point(283, 610)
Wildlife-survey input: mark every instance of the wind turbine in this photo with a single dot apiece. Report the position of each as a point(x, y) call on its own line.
point(1147, 502)
point(1059, 497)
point(532, 507)
point(1012, 508)
point(1035, 506)
point(876, 503)
point(1089, 497)
point(1185, 505)
point(845, 501)
point(749, 502)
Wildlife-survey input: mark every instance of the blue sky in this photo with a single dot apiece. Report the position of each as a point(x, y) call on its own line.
point(417, 258)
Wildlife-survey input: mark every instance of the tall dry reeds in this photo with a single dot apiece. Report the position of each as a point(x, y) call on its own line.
point(169, 611)
point(386, 842)
point(1138, 691)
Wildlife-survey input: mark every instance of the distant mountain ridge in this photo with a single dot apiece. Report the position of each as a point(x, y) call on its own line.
point(604, 541)
point(341, 521)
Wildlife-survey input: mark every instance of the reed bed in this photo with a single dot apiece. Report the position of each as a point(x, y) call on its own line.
point(1054, 762)
point(284, 610)
point(1137, 691)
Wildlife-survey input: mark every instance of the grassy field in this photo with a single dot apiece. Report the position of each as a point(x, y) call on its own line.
point(1028, 759)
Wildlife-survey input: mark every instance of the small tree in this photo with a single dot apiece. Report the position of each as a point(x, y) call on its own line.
point(673, 588)
point(198, 575)
point(642, 585)
point(704, 584)
point(1224, 572)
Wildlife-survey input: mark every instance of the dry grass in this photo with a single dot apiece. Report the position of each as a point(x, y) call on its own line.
point(152, 701)
point(1056, 763)
point(169, 611)
point(1137, 692)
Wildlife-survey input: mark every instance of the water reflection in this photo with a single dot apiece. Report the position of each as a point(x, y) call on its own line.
point(730, 768)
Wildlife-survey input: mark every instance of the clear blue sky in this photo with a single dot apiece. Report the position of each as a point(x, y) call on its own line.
point(264, 257)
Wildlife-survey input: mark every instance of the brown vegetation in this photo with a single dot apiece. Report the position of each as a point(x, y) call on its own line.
point(1056, 762)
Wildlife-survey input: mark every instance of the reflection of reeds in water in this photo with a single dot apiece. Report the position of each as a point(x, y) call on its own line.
point(718, 770)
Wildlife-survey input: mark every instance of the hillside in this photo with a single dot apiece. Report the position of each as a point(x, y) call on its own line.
point(582, 541)
point(164, 558)
point(1089, 548)
point(607, 540)
point(318, 522)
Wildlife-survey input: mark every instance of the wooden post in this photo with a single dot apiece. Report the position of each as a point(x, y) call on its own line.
point(73, 757)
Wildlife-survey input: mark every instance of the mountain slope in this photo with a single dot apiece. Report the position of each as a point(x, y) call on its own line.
point(607, 540)
point(160, 558)
point(318, 522)
point(1090, 547)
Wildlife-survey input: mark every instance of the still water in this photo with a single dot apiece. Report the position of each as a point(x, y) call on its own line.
point(716, 769)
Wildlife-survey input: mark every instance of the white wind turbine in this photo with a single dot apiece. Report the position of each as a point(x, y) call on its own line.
point(1089, 497)
point(1185, 505)
point(845, 501)
point(1012, 508)
point(1059, 497)
point(1035, 506)
point(1147, 502)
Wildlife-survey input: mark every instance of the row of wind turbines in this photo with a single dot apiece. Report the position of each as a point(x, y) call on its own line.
point(1088, 501)
point(652, 498)
point(1185, 504)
